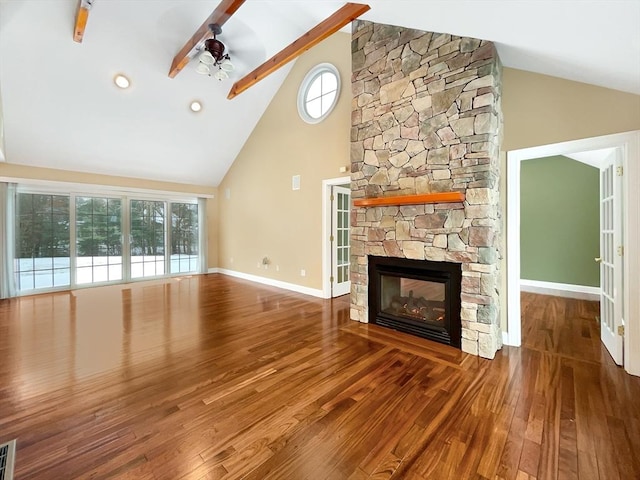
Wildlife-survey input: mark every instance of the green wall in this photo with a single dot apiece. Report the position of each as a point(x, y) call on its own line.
point(559, 221)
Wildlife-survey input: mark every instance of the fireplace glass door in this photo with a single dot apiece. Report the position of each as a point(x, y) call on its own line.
point(418, 300)
point(419, 297)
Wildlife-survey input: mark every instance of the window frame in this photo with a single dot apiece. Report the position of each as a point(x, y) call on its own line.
point(15, 259)
point(308, 81)
point(73, 190)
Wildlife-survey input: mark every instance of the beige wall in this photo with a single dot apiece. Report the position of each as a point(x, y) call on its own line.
point(53, 175)
point(264, 216)
point(540, 110)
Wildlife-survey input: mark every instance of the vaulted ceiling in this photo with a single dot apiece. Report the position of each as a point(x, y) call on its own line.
point(62, 110)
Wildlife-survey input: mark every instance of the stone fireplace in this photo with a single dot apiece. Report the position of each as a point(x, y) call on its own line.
point(426, 120)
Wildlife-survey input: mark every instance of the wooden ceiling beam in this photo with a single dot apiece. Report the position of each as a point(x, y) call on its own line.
point(348, 13)
point(82, 15)
point(220, 15)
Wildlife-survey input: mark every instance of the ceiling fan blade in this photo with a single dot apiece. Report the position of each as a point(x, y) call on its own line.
point(220, 15)
point(348, 13)
point(82, 15)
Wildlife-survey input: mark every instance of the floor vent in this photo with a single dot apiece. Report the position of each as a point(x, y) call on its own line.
point(7, 457)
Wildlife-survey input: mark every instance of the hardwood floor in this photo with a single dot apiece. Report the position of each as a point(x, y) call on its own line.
point(213, 377)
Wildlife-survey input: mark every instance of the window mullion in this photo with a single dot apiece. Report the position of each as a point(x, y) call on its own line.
point(126, 239)
point(72, 241)
point(167, 238)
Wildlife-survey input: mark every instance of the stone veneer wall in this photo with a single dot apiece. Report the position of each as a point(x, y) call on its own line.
point(426, 118)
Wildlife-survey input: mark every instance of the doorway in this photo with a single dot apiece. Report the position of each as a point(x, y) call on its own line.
point(336, 201)
point(628, 146)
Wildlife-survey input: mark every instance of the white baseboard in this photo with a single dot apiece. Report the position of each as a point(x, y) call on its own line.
point(560, 289)
point(270, 281)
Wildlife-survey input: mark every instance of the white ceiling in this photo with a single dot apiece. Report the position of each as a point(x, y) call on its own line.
point(593, 158)
point(62, 110)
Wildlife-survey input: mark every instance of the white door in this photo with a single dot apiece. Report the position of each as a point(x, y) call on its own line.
point(611, 251)
point(340, 251)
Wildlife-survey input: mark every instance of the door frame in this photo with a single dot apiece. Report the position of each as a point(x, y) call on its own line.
point(326, 231)
point(629, 145)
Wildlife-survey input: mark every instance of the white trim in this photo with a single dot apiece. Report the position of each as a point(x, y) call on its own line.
point(514, 323)
point(308, 80)
point(506, 340)
point(81, 188)
point(629, 143)
point(326, 231)
point(274, 283)
point(631, 260)
point(560, 289)
point(213, 270)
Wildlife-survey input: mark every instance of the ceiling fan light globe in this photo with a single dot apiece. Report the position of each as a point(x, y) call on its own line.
point(227, 66)
point(203, 69)
point(221, 75)
point(206, 58)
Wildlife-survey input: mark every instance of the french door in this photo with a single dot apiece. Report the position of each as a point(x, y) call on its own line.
point(610, 259)
point(76, 239)
point(340, 248)
point(98, 240)
point(147, 238)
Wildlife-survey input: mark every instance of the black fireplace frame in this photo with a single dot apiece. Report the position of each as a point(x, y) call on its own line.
point(447, 273)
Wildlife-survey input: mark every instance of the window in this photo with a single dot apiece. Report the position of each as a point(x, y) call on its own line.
point(42, 241)
point(64, 240)
point(184, 237)
point(147, 238)
point(318, 93)
point(98, 239)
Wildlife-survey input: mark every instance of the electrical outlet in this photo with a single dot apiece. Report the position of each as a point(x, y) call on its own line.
point(277, 268)
point(303, 273)
point(259, 264)
point(231, 260)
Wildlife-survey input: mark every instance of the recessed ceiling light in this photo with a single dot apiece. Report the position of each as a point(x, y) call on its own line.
point(121, 81)
point(195, 106)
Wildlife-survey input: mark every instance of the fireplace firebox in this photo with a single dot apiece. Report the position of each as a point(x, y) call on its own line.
point(419, 297)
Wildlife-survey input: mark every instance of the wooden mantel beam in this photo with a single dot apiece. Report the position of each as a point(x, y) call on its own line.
point(82, 15)
point(438, 197)
point(220, 15)
point(348, 13)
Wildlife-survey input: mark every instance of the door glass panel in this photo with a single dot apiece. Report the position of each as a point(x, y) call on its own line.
point(341, 246)
point(607, 248)
point(42, 241)
point(610, 263)
point(147, 238)
point(98, 239)
point(184, 237)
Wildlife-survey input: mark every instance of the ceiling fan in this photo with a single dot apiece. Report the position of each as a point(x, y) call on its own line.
point(219, 17)
point(214, 60)
point(222, 13)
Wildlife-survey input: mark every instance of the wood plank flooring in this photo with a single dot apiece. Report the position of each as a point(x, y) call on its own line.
point(211, 377)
